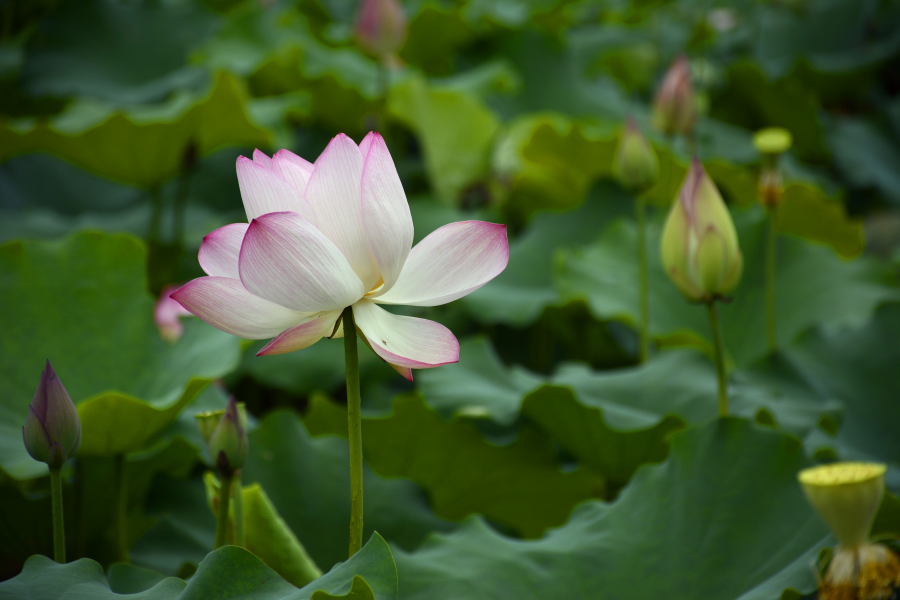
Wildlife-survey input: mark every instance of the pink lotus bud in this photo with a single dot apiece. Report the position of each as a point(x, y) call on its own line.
point(167, 315)
point(381, 27)
point(675, 107)
point(52, 431)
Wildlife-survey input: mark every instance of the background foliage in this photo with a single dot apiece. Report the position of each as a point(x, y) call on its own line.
point(548, 463)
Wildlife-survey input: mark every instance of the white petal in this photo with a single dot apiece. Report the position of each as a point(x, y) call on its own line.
point(264, 191)
point(225, 304)
point(301, 336)
point(452, 262)
point(386, 216)
point(261, 158)
point(220, 249)
point(366, 144)
point(405, 341)
point(292, 168)
point(285, 259)
point(333, 192)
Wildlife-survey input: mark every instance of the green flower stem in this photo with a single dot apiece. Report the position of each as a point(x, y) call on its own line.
point(59, 529)
point(239, 537)
point(640, 207)
point(122, 508)
point(720, 357)
point(771, 259)
point(222, 524)
point(355, 430)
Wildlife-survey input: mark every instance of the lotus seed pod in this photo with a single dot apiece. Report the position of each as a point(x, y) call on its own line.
point(381, 27)
point(772, 141)
point(52, 431)
point(699, 246)
point(675, 106)
point(635, 165)
point(228, 443)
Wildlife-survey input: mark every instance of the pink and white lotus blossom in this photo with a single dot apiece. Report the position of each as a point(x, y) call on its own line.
point(335, 234)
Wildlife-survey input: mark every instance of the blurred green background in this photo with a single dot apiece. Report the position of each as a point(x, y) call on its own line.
point(126, 117)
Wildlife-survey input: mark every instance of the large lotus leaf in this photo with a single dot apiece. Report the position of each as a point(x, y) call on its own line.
point(229, 572)
point(813, 286)
point(71, 56)
point(435, 31)
point(455, 129)
point(723, 518)
point(308, 480)
point(143, 145)
point(519, 294)
point(83, 304)
point(519, 485)
point(866, 157)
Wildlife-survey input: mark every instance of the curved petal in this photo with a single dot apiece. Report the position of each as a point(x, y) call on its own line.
point(303, 335)
point(386, 217)
point(225, 304)
point(220, 249)
point(405, 341)
point(285, 259)
point(261, 158)
point(292, 168)
point(333, 192)
point(264, 191)
point(452, 262)
point(406, 372)
point(366, 144)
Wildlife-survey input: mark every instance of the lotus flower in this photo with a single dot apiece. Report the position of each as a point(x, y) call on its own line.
point(335, 234)
point(52, 431)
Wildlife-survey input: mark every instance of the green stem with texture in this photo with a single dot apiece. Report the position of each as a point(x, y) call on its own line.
point(239, 537)
point(122, 507)
point(59, 529)
point(354, 429)
point(222, 524)
point(719, 344)
point(640, 210)
point(771, 261)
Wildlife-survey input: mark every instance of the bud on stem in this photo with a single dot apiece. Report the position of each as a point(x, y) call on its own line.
point(52, 430)
point(228, 442)
point(675, 106)
point(635, 165)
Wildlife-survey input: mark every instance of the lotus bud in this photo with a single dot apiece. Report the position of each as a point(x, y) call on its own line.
point(699, 247)
point(52, 430)
point(167, 315)
point(209, 420)
point(228, 443)
point(381, 27)
point(847, 496)
point(675, 107)
point(635, 165)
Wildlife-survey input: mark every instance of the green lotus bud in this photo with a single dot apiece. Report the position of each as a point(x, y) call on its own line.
point(635, 165)
point(772, 141)
point(675, 106)
point(847, 496)
point(209, 420)
point(52, 431)
point(381, 27)
point(699, 246)
point(228, 443)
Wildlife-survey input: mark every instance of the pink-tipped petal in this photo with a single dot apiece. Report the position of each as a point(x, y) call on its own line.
point(303, 335)
point(225, 304)
point(333, 192)
point(287, 260)
point(220, 249)
point(405, 342)
point(261, 158)
point(366, 144)
point(452, 262)
point(289, 166)
point(405, 372)
point(386, 216)
point(264, 191)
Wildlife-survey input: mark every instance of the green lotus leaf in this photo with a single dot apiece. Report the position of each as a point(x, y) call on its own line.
point(83, 304)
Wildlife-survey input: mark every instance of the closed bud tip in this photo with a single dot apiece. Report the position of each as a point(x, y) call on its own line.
point(699, 248)
point(675, 105)
point(52, 430)
point(228, 441)
point(381, 27)
point(635, 165)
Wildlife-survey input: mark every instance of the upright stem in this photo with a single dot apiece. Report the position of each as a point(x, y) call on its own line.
point(59, 529)
point(239, 537)
point(351, 358)
point(720, 357)
point(222, 525)
point(122, 507)
point(640, 209)
point(771, 261)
